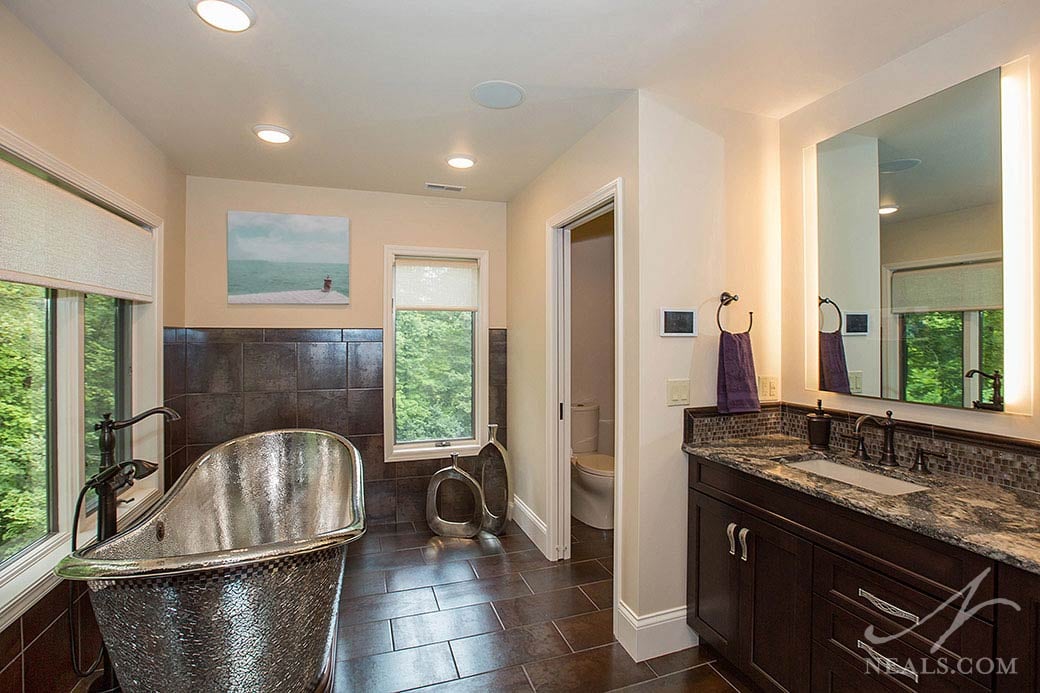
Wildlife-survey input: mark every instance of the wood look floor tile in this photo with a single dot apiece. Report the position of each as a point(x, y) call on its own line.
point(733, 677)
point(565, 575)
point(428, 575)
point(607, 563)
point(396, 671)
point(391, 528)
point(441, 626)
point(383, 561)
point(512, 680)
point(589, 630)
point(683, 659)
point(583, 532)
point(369, 543)
point(362, 584)
point(510, 563)
point(543, 607)
point(451, 549)
point(601, 593)
point(414, 540)
point(382, 607)
point(512, 543)
point(593, 548)
point(601, 669)
point(363, 639)
point(703, 679)
point(478, 591)
point(483, 653)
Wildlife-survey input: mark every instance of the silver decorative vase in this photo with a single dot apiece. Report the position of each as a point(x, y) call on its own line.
point(496, 483)
point(447, 528)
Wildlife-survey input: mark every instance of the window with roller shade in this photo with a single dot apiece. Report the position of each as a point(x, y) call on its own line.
point(951, 321)
point(438, 348)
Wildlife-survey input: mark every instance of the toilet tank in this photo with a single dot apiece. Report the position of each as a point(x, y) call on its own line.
point(585, 427)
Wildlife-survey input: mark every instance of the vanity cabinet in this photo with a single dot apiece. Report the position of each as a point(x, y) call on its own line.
point(750, 589)
point(785, 586)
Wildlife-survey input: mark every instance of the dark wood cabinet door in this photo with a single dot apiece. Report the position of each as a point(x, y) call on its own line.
point(1018, 632)
point(775, 606)
point(713, 574)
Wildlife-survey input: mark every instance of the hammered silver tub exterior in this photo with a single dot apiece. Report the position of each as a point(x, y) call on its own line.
point(232, 582)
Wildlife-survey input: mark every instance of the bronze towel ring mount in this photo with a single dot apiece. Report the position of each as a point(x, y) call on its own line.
point(724, 300)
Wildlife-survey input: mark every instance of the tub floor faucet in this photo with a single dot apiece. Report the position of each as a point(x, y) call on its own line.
point(888, 426)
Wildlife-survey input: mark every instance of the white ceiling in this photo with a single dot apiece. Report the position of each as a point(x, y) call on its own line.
point(377, 91)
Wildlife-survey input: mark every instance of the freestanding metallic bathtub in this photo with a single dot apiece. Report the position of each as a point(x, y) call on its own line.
point(232, 581)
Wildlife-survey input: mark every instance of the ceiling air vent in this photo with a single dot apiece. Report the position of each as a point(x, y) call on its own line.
point(445, 187)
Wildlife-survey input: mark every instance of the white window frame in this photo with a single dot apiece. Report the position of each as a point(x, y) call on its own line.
point(430, 450)
point(29, 576)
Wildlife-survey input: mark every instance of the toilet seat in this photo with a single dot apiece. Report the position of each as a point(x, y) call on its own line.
point(595, 463)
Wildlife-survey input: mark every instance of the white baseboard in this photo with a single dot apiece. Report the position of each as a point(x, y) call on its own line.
point(534, 527)
point(653, 635)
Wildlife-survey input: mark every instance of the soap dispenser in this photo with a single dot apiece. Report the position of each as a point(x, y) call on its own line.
point(819, 424)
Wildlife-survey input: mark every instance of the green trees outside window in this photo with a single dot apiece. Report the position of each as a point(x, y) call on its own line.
point(25, 426)
point(434, 379)
point(105, 353)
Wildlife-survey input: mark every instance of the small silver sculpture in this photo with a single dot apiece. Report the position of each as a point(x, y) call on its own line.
point(447, 528)
point(493, 461)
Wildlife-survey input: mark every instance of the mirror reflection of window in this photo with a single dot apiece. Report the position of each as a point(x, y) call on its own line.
point(911, 236)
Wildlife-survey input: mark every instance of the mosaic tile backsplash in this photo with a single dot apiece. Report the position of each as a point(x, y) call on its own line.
point(1004, 461)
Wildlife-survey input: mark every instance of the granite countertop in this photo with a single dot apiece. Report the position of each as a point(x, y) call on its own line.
point(998, 522)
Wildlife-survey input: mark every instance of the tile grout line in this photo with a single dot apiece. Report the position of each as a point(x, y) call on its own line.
point(719, 673)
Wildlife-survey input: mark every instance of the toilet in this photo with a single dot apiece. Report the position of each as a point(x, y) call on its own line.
point(592, 472)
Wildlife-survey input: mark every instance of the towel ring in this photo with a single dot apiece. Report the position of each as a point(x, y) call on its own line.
point(724, 300)
point(840, 318)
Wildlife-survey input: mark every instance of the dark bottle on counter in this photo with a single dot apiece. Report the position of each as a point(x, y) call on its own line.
point(819, 423)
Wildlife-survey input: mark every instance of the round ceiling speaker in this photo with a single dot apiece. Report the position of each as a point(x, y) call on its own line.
point(498, 94)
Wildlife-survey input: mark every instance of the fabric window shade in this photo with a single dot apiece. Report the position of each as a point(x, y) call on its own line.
point(954, 288)
point(436, 284)
point(53, 238)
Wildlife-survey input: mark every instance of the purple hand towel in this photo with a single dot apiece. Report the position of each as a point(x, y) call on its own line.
point(737, 388)
point(834, 371)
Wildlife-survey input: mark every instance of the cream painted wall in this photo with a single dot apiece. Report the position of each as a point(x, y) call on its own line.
point(592, 321)
point(376, 220)
point(961, 232)
point(996, 38)
point(47, 103)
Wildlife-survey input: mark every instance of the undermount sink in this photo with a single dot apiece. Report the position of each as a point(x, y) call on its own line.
point(878, 483)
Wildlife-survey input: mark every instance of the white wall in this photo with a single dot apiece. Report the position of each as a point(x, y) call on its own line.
point(376, 220)
point(962, 232)
point(994, 39)
point(592, 321)
point(850, 246)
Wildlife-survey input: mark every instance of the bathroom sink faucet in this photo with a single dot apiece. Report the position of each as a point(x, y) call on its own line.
point(888, 451)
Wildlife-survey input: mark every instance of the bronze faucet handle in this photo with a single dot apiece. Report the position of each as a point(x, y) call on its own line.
point(920, 460)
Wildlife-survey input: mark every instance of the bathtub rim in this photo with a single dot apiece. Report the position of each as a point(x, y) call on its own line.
point(82, 566)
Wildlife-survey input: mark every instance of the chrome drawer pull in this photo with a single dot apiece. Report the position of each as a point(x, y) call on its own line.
point(890, 609)
point(743, 543)
point(889, 666)
point(732, 541)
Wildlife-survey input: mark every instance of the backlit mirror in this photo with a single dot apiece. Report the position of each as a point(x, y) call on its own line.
point(910, 252)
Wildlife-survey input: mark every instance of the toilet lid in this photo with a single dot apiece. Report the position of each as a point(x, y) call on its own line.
point(596, 463)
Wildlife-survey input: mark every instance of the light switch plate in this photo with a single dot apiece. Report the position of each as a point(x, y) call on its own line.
point(678, 392)
point(768, 387)
point(856, 382)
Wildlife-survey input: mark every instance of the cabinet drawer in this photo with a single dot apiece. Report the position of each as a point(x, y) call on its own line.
point(891, 605)
point(831, 673)
point(845, 635)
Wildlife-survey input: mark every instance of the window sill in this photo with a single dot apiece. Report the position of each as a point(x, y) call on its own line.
point(32, 576)
point(411, 454)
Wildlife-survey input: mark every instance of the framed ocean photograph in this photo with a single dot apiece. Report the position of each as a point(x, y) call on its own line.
point(288, 259)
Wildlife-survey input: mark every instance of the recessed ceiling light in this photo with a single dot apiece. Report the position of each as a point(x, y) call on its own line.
point(498, 94)
point(888, 209)
point(461, 161)
point(898, 165)
point(272, 134)
point(226, 15)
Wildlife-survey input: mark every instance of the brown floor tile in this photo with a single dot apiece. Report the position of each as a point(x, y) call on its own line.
point(369, 543)
point(510, 563)
point(382, 607)
point(384, 561)
point(391, 528)
point(492, 651)
point(396, 671)
point(478, 591)
point(601, 669)
point(450, 549)
point(601, 593)
point(511, 528)
point(512, 543)
point(733, 677)
point(607, 563)
point(428, 575)
point(362, 584)
point(512, 680)
point(588, 630)
point(593, 548)
point(565, 575)
point(583, 532)
point(543, 607)
point(703, 679)
point(363, 639)
point(440, 626)
point(396, 542)
point(683, 659)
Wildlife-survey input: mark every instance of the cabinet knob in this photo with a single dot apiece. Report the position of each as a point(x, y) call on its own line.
point(743, 543)
point(732, 540)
